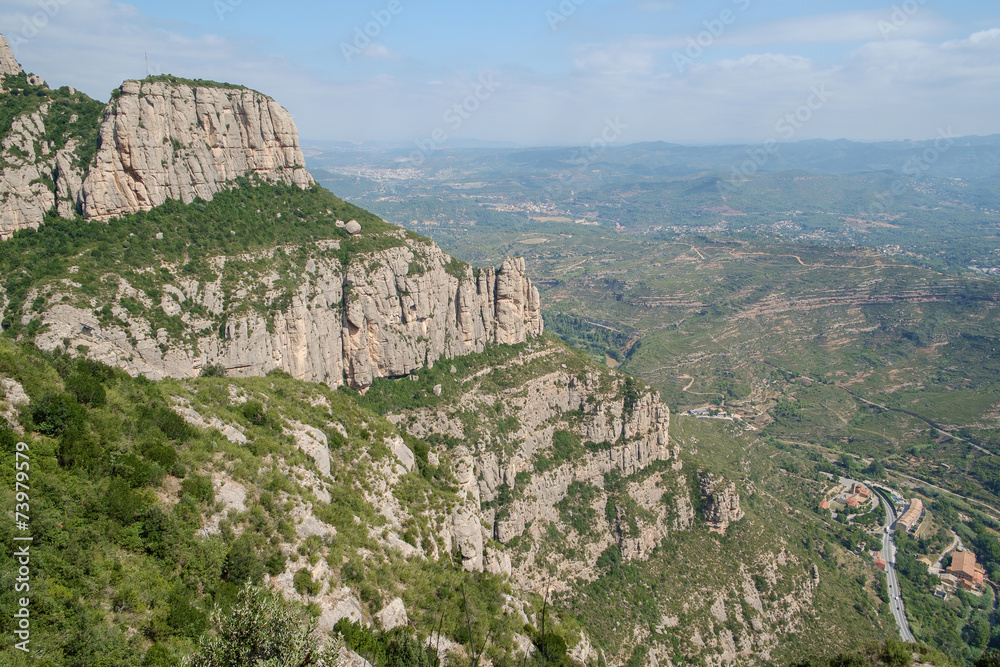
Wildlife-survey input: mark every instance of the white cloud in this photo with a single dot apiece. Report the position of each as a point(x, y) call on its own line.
point(855, 26)
point(901, 87)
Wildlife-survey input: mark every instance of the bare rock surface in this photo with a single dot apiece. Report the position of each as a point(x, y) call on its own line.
point(8, 63)
point(720, 502)
point(393, 615)
point(163, 141)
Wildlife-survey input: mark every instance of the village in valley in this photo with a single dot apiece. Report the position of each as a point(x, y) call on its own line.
point(857, 503)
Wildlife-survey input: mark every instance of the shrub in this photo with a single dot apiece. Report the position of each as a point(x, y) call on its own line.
point(254, 412)
point(86, 389)
point(54, 412)
point(200, 488)
point(242, 563)
point(261, 629)
point(159, 655)
point(213, 371)
point(78, 448)
point(275, 563)
point(123, 503)
point(184, 617)
point(304, 583)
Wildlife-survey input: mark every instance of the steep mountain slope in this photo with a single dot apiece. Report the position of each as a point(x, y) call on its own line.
point(666, 549)
point(263, 277)
point(166, 138)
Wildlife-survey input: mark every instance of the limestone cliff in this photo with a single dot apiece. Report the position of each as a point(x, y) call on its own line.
point(720, 502)
point(161, 140)
point(157, 140)
point(300, 310)
point(8, 63)
point(34, 179)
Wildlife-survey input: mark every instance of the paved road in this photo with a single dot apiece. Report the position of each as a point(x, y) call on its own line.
point(889, 555)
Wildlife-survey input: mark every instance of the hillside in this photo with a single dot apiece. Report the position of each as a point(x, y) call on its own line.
point(226, 376)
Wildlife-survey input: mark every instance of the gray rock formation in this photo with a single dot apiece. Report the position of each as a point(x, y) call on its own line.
point(720, 502)
point(393, 615)
point(339, 326)
point(27, 164)
point(163, 141)
point(8, 63)
point(468, 535)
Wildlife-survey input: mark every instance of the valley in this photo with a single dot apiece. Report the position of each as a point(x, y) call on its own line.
point(501, 408)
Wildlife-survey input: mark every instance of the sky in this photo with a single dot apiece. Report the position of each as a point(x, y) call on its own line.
point(549, 72)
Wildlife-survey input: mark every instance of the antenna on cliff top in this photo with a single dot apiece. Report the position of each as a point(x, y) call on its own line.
point(147, 64)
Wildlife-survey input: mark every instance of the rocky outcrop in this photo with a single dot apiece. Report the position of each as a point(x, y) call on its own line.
point(34, 178)
point(720, 502)
point(161, 141)
point(378, 317)
point(406, 311)
point(8, 63)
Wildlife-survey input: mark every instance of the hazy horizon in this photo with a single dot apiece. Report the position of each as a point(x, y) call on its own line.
point(550, 73)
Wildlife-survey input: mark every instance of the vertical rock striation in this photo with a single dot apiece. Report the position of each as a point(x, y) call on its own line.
point(386, 314)
point(161, 141)
point(8, 63)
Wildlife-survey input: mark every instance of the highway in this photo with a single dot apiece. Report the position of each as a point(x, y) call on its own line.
point(889, 555)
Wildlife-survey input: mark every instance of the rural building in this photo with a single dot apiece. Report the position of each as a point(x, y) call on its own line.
point(966, 570)
point(911, 517)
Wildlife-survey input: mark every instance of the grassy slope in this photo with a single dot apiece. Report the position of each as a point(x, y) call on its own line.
point(117, 567)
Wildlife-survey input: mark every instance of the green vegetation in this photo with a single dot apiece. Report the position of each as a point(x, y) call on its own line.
point(71, 116)
point(121, 487)
point(259, 629)
point(193, 83)
point(250, 218)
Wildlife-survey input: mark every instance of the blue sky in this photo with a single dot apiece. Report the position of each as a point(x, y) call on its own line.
point(550, 72)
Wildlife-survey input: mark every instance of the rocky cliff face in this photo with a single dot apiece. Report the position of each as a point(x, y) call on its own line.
point(720, 502)
point(161, 141)
point(35, 178)
point(385, 314)
point(156, 141)
point(8, 63)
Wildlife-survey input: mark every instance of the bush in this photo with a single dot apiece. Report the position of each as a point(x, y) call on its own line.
point(86, 389)
point(123, 503)
point(254, 412)
point(275, 563)
point(78, 448)
point(213, 371)
point(242, 563)
point(163, 454)
point(138, 472)
point(552, 646)
point(185, 618)
point(54, 412)
point(159, 655)
point(200, 488)
point(304, 583)
point(260, 629)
